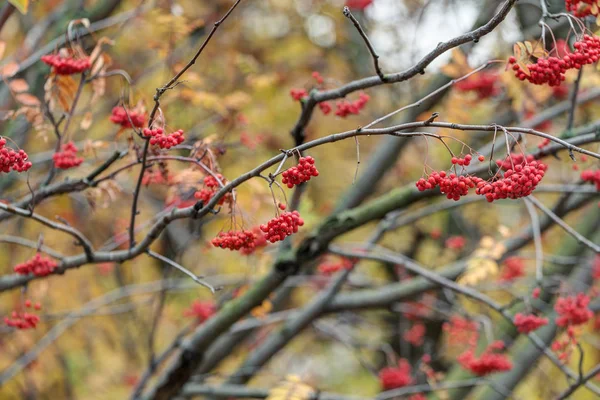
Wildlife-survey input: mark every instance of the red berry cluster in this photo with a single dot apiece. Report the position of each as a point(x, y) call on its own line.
point(211, 188)
point(300, 173)
point(23, 320)
point(68, 65)
point(12, 160)
point(451, 185)
point(345, 108)
point(484, 84)
point(455, 242)
point(298, 94)
point(415, 334)
point(592, 176)
point(396, 377)
point(162, 140)
point(460, 331)
point(67, 157)
point(514, 267)
point(552, 70)
point(581, 8)
point(119, 116)
point(358, 4)
point(201, 310)
point(330, 267)
point(573, 310)
point(466, 161)
point(517, 183)
point(235, 240)
point(325, 107)
point(529, 323)
point(488, 362)
point(282, 226)
point(38, 266)
point(318, 77)
point(514, 159)
point(259, 241)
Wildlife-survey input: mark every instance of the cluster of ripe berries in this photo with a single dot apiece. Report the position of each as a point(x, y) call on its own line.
point(282, 226)
point(451, 185)
point(158, 137)
point(526, 323)
point(582, 8)
point(552, 70)
point(345, 107)
point(67, 65)
point(573, 310)
point(24, 320)
point(120, 116)
point(466, 161)
point(521, 177)
point(235, 240)
point(488, 362)
point(201, 310)
point(259, 242)
point(211, 186)
point(67, 157)
point(592, 176)
point(331, 267)
point(11, 159)
point(484, 84)
point(396, 377)
point(516, 183)
point(300, 173)
point(38, 266)
point(514, 267)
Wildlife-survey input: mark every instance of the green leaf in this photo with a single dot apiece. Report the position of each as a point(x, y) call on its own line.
point(21, 5)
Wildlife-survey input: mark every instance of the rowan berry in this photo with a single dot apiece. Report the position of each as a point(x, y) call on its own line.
point(12, 160)
point(282, 226)
point(396, 377)
point(487, 363)
point(345, 107)
point(38, 266)
point(66, 65)
point(300, 173)
point(298, 94)
point(582, 8)
point(235, 240)
point(67, 157)
point(484, 84)
point(573, 310)
point(158, 137)
point(529, 323)
point(127, 119)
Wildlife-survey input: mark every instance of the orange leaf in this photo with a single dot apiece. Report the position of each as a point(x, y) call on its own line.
point(27, 99)
point(8, 70)
point(18, 85)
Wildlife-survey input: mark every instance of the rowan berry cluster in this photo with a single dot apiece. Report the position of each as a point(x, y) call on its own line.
point(573, 310)
point(282, 226)
point(514, 159)
point(415, 334)
point(300, 173)
point(259, 241)
point(298, 94)
point(67, 157)
point(201, 310)
point(451, 185)
point(582, 8)
point(235, 240)
point(488, 362)
point(592, 176)
point(517, 183)
point(127, 119)
point(212, 186)
point(345, 107)
point(325, 107)
point(551, 70)
point(330, 267)
point(22, 320)
point(526, 323)
point(484, 84)
point(461, 331)
point(455, 242)
point(396, 377)
point(465, 161)
point(318, 77)
point(11, 159)
point(514, 267)
point(162, 140)
point(66, 65)
point(38, 266)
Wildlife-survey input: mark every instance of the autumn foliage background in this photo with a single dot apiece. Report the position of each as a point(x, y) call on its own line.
point(102, 322)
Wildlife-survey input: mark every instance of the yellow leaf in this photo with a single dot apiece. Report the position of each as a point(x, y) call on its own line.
point(484, 263)
point(529, 47)
point(86, 122)
point(459, 58)
point(21, 5)
point(451, 70)
point(291, 388)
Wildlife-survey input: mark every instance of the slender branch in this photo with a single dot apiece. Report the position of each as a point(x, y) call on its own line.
point(172, 263)
point(363, 34)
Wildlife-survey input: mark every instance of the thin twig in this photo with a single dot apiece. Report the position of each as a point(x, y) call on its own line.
point(363, 34)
